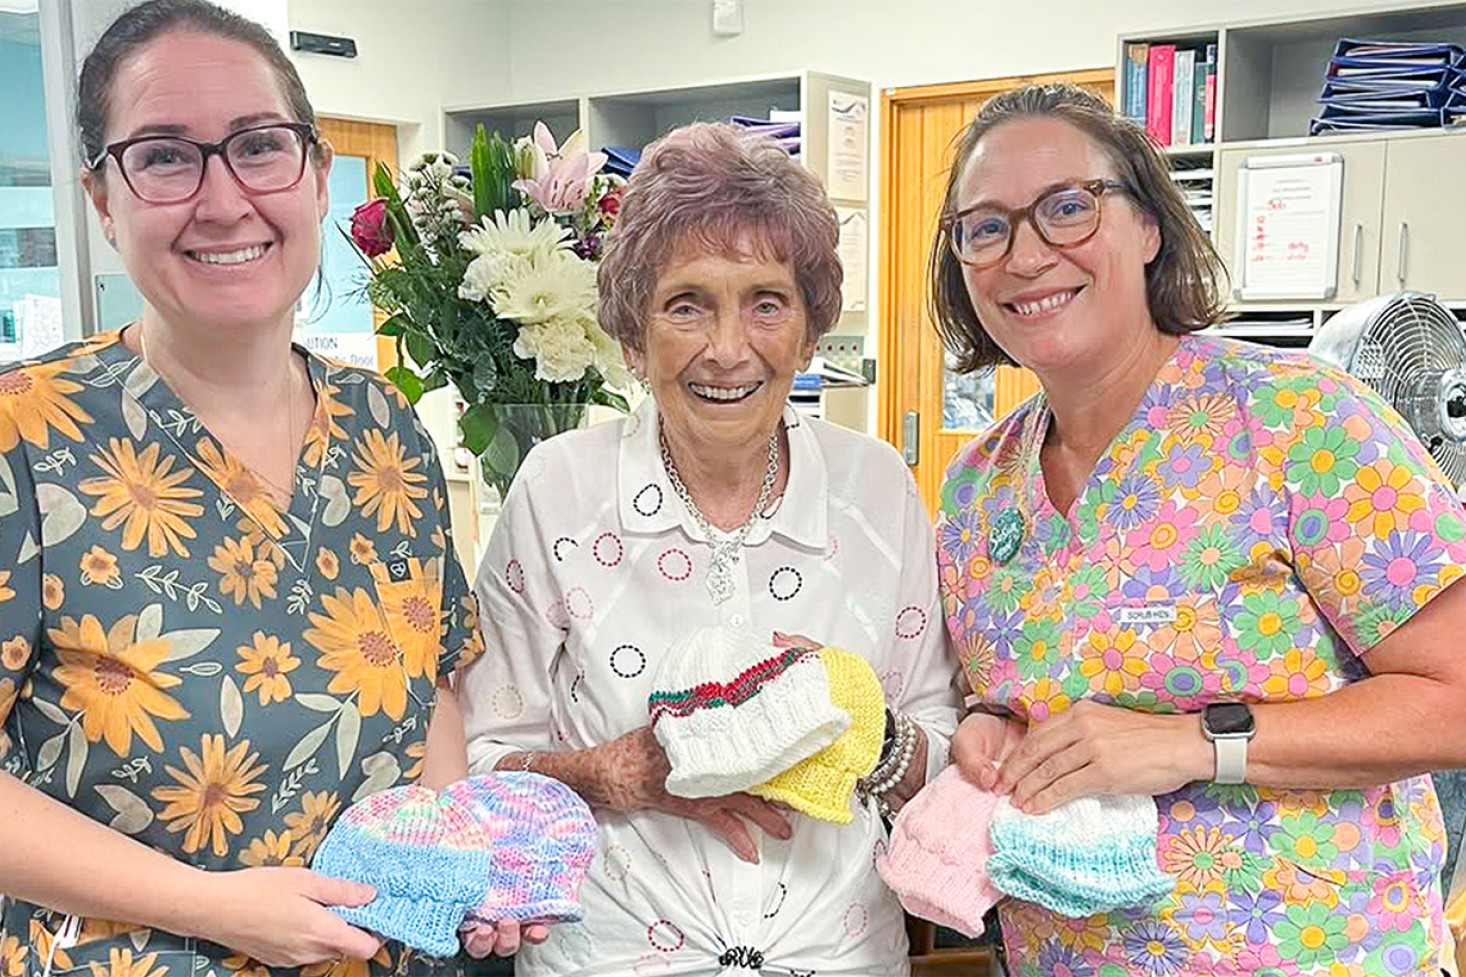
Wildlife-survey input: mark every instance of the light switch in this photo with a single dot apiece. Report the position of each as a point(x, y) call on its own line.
point(727, 17)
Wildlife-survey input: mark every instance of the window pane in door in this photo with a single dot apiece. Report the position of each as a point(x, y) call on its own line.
point(967, 400)
point(30, 283)
point(337, 318)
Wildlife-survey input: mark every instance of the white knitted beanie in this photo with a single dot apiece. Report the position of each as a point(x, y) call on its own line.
point(732, 712)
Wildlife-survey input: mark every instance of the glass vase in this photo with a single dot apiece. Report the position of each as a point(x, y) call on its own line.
point(516, 429)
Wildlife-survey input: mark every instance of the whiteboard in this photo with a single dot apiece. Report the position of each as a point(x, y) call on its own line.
point(1288, 226)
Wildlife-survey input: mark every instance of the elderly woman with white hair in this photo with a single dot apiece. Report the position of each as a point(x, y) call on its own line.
point(713, 504)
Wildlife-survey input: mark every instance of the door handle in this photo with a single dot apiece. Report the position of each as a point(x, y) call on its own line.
point(1404, 252)
point(910, 437)
point(1358, 254)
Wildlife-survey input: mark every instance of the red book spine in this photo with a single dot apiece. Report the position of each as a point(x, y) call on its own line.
point(1158, 98)
point(1211, 103)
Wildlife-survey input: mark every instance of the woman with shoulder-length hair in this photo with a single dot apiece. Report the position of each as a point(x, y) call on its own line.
point(714, 504)
point(1191, 568)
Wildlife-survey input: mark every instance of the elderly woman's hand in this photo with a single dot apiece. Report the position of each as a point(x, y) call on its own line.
point(1094, 749)
point(633, 777)
point(982, 743)
point(504, 939)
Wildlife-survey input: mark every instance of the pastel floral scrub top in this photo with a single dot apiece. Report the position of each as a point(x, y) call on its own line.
point(594, 571)
point(183, 661)
point(1259, 524)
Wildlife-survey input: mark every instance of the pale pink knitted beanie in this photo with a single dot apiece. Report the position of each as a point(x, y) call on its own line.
point(937, 860)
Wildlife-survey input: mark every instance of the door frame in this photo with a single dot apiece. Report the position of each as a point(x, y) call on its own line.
point(378, 143)
point(905, 374)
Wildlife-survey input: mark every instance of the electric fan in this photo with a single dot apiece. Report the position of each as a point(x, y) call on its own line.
point(1411, 350)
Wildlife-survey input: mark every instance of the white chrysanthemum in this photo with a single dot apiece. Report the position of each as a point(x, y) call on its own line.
point(559, 346)
point(557, 285)
point(485, 273)
point(514, 233)
point(609, 358)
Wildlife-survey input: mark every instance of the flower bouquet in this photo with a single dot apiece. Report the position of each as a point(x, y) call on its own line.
point(488, 276)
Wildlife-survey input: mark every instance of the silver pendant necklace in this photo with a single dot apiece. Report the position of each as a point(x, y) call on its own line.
point(719, 580)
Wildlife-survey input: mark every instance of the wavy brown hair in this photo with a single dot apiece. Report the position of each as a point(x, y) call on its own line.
point(1185, 283)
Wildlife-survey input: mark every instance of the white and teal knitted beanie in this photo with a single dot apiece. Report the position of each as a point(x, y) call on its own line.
point(1088, 856)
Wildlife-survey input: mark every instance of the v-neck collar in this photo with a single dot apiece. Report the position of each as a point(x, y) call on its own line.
point(1035, 430)
point(149, 403)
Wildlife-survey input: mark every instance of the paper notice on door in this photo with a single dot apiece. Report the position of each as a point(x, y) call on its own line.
point(847, 170)
point(853, 250)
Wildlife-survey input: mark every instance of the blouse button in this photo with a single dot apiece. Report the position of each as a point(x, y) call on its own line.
point(736, 620)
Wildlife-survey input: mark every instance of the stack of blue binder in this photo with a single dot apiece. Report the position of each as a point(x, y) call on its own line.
point(1392, 85)
point(786, 134)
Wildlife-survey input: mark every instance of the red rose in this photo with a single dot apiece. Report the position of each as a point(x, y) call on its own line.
point(610, 204)
point(370, 228)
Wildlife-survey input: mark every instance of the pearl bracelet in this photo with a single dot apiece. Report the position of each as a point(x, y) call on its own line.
point(893, 771)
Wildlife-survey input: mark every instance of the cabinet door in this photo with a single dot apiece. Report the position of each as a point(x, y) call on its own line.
point(1425, 216)
point(1359, 215)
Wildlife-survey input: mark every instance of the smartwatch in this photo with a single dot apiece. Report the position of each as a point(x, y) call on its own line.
point(1229, 725)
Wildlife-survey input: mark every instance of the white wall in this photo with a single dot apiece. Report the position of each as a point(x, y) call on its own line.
point(608, 45)
point(413, 58)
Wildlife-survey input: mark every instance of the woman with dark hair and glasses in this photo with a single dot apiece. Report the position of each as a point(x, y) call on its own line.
point(1190, 568)
point(229, 604)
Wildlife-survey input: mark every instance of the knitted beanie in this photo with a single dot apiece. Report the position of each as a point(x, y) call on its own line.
point(821, 786)
point(429, 862)
point(937, 859)
point(731, 712)
point(1088, 856)
point(544, 838)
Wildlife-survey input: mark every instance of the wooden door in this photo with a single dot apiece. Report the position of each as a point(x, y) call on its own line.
point(918, 129)
point(1424, 212)
point(359, 147)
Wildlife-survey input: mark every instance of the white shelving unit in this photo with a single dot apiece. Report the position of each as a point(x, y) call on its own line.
point(1404, 193)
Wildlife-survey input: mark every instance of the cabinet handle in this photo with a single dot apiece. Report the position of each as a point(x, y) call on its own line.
point(1404, 252)
point(1358, 253)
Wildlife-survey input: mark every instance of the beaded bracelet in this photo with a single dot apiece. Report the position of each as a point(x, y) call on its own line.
point(891, 773)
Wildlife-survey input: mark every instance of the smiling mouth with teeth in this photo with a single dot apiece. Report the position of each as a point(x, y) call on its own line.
point(242, 256)
point(1046, 304)
point(724, 395)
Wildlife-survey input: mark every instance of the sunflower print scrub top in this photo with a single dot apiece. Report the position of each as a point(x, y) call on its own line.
point(181, 660)
point(1254, 530)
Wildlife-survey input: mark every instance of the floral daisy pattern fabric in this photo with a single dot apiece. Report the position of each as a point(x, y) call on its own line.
point(1259, 524)
point(188, 662)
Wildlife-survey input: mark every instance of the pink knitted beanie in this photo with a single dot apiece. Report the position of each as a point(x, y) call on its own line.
point(937, 860)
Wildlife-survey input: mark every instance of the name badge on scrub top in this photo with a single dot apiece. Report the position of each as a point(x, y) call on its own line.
point(1149, 614)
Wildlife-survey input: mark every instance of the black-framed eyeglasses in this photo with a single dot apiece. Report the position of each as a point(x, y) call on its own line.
point(1064, 217)
point(170, 169)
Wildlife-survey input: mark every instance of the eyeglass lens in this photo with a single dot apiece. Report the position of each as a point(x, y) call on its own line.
point(161, 170)
point(1064, 216)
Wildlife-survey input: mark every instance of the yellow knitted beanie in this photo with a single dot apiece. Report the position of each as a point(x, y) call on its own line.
point(822, 785)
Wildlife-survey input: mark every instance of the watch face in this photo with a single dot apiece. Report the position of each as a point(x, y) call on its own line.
point(1228, 718)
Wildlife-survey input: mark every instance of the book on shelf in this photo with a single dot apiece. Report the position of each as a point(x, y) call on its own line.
point(1159, 94)
point(1136, 55)
point(1170, 89)
point(1183, 78)
point(1209, 97)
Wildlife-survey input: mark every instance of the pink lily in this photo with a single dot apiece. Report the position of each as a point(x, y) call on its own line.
point(561, 175)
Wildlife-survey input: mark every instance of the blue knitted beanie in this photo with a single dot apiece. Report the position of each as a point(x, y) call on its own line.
point(1088, 856)
point(429, 861)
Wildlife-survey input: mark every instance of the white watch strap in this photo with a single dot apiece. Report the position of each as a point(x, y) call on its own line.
point(1231, 759)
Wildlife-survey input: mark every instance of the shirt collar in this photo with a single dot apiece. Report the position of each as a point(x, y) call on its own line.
point(647, 503)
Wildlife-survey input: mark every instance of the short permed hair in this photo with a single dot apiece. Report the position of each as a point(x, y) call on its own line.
point(1185, 282)
point(145, 22)
point(707, 185)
